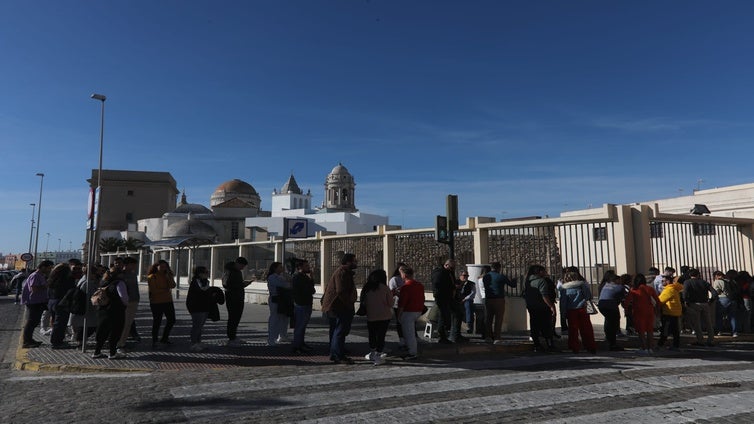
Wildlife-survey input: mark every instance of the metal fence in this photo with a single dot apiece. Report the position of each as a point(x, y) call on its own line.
point(706, 246)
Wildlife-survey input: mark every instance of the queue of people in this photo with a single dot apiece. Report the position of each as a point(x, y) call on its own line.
point(655, 302)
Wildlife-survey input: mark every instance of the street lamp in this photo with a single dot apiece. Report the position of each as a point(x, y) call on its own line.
point(94, 225)
point(39, 214)
point(31, 234)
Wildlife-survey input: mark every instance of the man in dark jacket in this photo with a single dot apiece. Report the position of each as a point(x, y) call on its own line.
point(234, 285)
point(337, 303)
point(450, 309)
point(494, 290)
point(302, 286)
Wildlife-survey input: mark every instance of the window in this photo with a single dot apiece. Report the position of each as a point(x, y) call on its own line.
point(656, 230)
point(704, 229)
point(234, 231)
point(600, 234)
point(130, 193)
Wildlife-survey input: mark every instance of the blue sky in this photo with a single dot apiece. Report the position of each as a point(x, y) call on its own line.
point(518, 107)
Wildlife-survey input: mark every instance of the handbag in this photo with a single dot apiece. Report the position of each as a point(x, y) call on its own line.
point(591, 308)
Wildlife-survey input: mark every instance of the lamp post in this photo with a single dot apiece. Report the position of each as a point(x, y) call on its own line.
point(59, 245)
point(31, 234)
point(94, 225)
point(39, 214)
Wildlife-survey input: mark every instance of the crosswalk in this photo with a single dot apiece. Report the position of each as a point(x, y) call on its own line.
point(673, 389)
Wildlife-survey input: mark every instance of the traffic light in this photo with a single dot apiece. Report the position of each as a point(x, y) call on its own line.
point(441, 229)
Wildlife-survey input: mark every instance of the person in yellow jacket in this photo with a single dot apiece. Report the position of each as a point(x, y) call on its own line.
point(672, 309)
point(161, 282)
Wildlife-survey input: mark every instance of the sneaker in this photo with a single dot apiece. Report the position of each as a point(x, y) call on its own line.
point(410, 357)
point(32, 345)
point(282, 339)
point(378, 360)
point(122, 350)
point(117, 355)
point(344, 360)
point(382, 354)
point(369, 356)
point(642, 352)
point(99, 355)
point(500, 341)
point(735, 335)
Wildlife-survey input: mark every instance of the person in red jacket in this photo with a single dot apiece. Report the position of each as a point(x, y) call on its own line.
point(410, 308)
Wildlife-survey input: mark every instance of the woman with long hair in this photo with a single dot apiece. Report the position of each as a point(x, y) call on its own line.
point(110, 317)
point(574, 294)
point(643, 303)
point(58, 284)
point(395, 284)
point(280, 304)
point(161, 282)
point(539, 302)
point(378, 301)
point(410, 308)
point(198, 302)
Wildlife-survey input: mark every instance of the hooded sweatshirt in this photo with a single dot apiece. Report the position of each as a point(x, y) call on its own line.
point(670, 298)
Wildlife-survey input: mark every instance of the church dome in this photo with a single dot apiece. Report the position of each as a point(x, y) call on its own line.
point(340, 170)
point(185, 207)
point(236, 186)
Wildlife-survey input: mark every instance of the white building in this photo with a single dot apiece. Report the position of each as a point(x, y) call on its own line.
point(338, 213)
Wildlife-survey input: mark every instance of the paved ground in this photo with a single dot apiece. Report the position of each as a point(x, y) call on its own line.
point(469, 383)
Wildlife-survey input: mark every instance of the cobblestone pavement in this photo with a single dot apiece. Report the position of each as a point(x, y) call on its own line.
point(476, 384)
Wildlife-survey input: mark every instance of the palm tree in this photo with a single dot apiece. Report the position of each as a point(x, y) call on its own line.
point(110, 244)
point(132, 244)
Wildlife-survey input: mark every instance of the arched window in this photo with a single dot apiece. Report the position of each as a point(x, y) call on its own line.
point(345, 196)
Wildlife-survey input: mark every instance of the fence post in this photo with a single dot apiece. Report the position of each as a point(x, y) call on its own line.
point(481, 241)
point(325, 259)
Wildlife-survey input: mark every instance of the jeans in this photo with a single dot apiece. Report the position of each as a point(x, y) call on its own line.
point(696, 313)
point(468, 306)
point(609, 309)
point(340, 326)
point(33, 318)
point(277, 324)
point(197, 324)
point(234, 303)
point(670, 324)
point(59, 322)
point(130, 314)
point(301, 316)
point(377, 331)
point(408, 322)
point(726, 306)
point(158, 310)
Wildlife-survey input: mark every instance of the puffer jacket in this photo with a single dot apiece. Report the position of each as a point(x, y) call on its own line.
point(670, 298)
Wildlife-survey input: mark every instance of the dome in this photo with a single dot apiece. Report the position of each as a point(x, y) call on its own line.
point(192, 208)
point(340, 170)
point(185, 207)
point(190, 227)
point(236, 186)
point(291, 187)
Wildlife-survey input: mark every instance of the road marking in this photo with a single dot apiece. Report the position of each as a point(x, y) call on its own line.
point(536, 398)
point(80, 376)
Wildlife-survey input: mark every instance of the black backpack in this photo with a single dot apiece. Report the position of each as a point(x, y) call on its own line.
point(74, 301)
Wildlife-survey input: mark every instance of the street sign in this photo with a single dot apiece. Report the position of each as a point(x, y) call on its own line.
point(296, 228)
point(26, 257)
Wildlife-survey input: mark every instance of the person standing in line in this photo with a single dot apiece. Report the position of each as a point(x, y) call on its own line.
point(199, 300)
point(161, 283)
point(77, 321)
point(234, 286)
point(378, 301)
point(468, 294)
point(410, 308)
point(17, 283)
point(728, 298)
point(279, 302)
point(450, 313)
point(744, 281)
point(338, 303)
point(110, 317)
point(395, 284)
point(494, 289)
point(696, 295)
point(58, 284)
point(34, 296)
point(480, 310)
point(643, 302)
point(611, 295)
point(672, 309)
point(573, 297)
point(130, 268)
point(302, 288)
point(539, 303)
